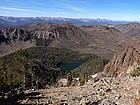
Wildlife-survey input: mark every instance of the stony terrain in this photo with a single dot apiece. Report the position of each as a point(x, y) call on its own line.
point(106, 91)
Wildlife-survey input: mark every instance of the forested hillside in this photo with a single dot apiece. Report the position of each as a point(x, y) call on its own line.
point(38, 67)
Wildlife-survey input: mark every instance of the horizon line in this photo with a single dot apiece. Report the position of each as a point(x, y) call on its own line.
point(70, 18)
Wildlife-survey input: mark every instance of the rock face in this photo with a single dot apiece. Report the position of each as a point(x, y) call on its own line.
point(123, 62)
point(65, 35)
point(13, 39)
point(13, 34)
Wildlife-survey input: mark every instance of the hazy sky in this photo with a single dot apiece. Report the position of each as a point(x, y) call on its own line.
point(108, 9)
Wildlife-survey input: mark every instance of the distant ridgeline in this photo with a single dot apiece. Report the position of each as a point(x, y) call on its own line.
point(58, 20)
point(39, 66)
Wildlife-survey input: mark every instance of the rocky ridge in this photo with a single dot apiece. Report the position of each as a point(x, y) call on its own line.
point(65, 35)
point(13, 39)
point(16, 34)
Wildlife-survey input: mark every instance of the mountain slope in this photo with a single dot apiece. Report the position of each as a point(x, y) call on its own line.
point(131, 29)
point(105, 40)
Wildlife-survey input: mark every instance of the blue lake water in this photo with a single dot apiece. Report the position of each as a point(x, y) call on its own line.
point(70, 66)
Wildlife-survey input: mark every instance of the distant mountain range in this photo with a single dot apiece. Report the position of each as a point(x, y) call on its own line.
point(59, 20)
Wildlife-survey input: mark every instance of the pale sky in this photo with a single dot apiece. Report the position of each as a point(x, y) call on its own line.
point(128, 10)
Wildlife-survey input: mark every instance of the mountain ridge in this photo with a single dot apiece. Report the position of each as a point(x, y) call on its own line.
point(58, 20)
point(13, 39)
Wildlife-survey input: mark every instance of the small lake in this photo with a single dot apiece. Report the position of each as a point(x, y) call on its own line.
point(70, 66)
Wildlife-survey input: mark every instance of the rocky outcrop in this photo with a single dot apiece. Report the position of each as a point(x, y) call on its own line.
point(13, 34)
point(124, 62)
point(64, 35)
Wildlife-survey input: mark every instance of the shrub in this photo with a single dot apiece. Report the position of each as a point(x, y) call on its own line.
point(136, 72)
point(84, 78)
